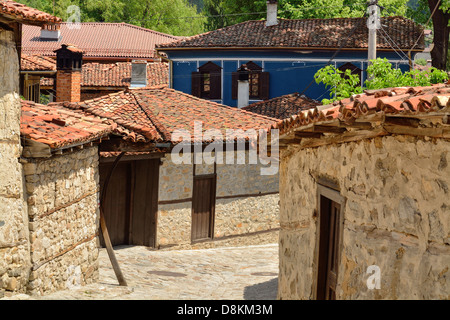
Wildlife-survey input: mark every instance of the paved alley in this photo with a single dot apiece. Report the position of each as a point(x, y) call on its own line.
point(237, 273)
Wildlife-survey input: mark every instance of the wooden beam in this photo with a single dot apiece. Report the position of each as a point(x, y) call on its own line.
point(345, 137)
point(120, 145)
point(402, 121)
point(439, 132)
point(303, 134)
point(328, 129)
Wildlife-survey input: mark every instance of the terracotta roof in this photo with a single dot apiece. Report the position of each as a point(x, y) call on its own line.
point(306, 33)
point(119, 74)
point(37, 63)
point(155, 113)
point(103, 74)
point(96, 39)
point(282, 107)
point(391, 110)
point(59, 127)
point(20, 12)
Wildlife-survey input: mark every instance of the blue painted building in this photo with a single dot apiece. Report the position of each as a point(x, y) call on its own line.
point(284, 57)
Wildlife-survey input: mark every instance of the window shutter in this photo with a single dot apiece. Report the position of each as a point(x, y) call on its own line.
point(264, 85)
point(234, 85)
point(216, 85)
point(196, 84)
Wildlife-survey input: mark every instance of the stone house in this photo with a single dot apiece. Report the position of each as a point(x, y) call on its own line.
point(364, 197)
point(14, 233)
point(48, 178)
point(156, 201)
point(61, 178)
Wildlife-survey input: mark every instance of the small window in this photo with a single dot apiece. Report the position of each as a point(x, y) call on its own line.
point(258, 82)
point(207, 82)
point(353, 69)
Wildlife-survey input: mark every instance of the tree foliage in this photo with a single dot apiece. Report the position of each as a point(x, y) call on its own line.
point(237, 11)
point(177, 17)
point(381, 75)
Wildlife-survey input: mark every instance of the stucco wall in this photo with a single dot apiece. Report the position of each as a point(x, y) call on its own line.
point(14, 246)
point(63, 220)
point(396, 216)
point(247, 202)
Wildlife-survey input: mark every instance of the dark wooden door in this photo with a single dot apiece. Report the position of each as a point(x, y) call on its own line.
point(131, 202)
point(203, 205)
point(328, 249)
point(117, 205)
point(145, 203)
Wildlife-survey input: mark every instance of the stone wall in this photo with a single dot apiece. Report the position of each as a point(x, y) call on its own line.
point(396, 216)
point(63, 220)
point(14, 246)
point(246, 203)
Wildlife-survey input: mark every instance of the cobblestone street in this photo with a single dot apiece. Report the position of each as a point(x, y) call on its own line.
point(228, 273)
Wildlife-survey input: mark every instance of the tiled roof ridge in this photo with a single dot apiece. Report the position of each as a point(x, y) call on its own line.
point(164, 133)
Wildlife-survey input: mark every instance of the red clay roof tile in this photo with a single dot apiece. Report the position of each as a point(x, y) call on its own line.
point(59, 127)
point(157, 112)
point(99, 39)
point(26, 15)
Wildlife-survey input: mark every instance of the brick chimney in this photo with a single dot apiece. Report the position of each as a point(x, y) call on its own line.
point(68, 73)
point(272, 12)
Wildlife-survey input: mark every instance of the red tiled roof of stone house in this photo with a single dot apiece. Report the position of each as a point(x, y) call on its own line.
point(306, 33)
point(282, 107)
point(59, 127)
point(37, 63)
point(382, 109)
point(22, 13)
point(107, 74)
point(99, 40)
point(156, 113)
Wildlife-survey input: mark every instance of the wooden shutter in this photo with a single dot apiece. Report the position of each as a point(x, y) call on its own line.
point(216, 85)
point(234, 85)
point(196, 84)
point(264, 86)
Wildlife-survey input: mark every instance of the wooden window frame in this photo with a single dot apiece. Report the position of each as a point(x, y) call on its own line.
point(215, 81)
point(330, 192)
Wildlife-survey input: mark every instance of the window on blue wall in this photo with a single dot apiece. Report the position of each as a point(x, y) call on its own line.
point(258, 82)
point(207, 82)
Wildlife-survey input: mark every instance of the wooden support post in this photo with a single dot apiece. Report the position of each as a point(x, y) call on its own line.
point(109, 248)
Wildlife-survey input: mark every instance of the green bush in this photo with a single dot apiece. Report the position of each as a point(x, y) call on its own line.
point(380, 75)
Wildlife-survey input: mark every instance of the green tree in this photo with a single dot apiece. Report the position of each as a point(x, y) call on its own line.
point(381, 75)
point(177, 17)
point(237, 11)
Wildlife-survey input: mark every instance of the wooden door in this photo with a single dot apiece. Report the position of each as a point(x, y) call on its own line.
point(117, 202)
point(145, 203)
point(330, 217)
point(131, 202)
point(203, 205)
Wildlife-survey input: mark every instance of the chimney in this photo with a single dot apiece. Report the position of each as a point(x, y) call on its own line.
point(138, 74)
point(243, 87)
point(50, 32)
point(272, 11)
point(69, 61)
